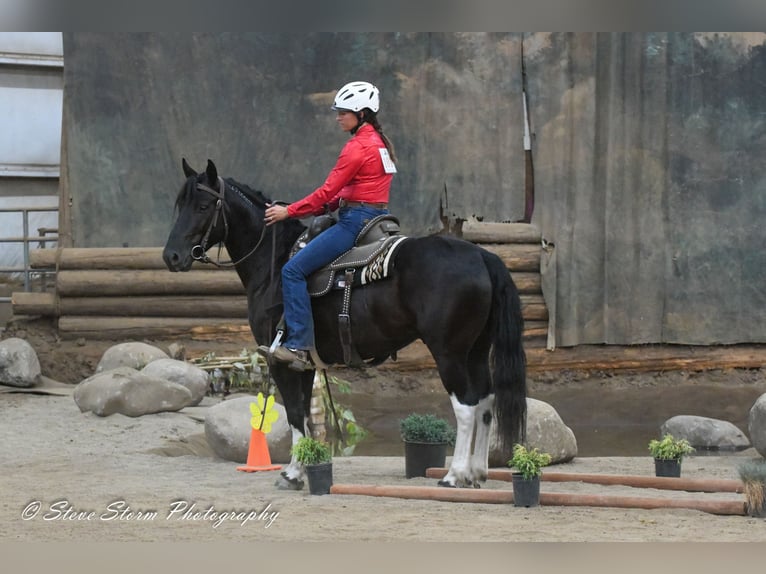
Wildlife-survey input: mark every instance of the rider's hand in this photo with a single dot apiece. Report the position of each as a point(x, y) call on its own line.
point(275, 213)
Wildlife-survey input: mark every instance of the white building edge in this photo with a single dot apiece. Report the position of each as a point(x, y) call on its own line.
point(31, 101)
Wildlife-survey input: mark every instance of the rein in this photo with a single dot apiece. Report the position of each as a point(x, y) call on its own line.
point(199, 252)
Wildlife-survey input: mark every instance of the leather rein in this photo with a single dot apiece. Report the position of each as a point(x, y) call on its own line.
point(199, 252)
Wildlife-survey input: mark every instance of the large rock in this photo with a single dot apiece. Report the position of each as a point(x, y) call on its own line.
point(135, 355)
point(19, 365)
point(193, 378)
point(545, 431)
point(756, 425)
point(227, 428)
point(126, 391)
point(705, 433)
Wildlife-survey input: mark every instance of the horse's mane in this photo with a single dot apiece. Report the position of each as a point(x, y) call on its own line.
point(257, 197)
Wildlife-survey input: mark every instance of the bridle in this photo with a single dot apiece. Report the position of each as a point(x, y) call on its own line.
point(199, 252)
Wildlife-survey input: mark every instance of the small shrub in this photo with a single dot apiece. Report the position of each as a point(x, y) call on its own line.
point(529, 463)
point(426, 428)
point(670, 448)
point(311, 451)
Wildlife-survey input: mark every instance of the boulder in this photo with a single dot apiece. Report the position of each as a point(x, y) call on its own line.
point(127, 391)
point(193, 378)
point(227, 429)
point(756, 425)
point(135, 355)
point(19, 365)
point(704, 433)
point(545, 431)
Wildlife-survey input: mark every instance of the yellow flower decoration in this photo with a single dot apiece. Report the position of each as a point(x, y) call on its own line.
point(263, 413)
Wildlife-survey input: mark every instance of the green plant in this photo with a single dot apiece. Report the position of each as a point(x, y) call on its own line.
point(529, 462)
point(311, 451)
point(670, 448)
point(426, 428)
point(338, 415)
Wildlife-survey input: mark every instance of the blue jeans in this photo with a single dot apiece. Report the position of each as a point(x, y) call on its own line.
point(320, 251)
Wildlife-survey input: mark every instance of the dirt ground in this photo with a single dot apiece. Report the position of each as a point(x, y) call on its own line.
point(70, 476)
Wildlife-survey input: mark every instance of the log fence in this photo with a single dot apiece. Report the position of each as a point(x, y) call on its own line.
point(117, 293)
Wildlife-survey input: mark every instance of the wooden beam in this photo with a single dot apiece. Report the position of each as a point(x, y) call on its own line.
point(120, 282)
point(517, 257)
point(108, 258)
point(637, 481)
point(491, 232)
point(117, 328)
point(223, 306)
point(23, 303)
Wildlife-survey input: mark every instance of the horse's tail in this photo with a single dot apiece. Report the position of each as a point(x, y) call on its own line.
point(508, 360)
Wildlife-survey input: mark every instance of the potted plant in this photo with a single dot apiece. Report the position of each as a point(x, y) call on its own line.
point(316, 457)
point(529, 465)
point(668, 454)
point(426, 438)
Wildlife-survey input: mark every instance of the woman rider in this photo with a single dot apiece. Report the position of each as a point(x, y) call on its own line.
point(359, 186)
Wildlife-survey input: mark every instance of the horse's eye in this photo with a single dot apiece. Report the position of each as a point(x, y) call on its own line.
point(203, 207)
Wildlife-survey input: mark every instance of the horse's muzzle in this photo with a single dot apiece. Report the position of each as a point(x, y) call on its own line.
point(175, 261)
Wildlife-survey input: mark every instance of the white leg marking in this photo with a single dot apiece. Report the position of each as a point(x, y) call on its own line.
point(294, 470)
point(480, 457)
point(460, 472)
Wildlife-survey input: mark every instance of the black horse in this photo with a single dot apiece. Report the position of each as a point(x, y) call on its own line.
point(458, 298)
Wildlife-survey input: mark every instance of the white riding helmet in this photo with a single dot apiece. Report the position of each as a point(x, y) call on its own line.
point(356, 96)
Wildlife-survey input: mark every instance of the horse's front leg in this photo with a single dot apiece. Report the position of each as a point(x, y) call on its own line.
point(291, 478)
point(295, 389)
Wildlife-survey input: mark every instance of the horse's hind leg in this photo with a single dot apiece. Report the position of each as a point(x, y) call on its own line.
point(478, 366)
point(459, 473)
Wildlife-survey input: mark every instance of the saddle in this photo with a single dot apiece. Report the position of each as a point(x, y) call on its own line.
point(371, 259)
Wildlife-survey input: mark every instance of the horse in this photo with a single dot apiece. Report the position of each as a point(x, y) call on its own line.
point(458, 298)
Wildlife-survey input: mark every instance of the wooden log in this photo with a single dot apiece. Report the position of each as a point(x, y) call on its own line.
point(527, 282)
point(70, 283)
point(517, 257)
point(658, 482)
point(720, 507)
point(109, 258)
point(427, 493)
point(23, 303)
point(223, 306)
point(492, 232)
point(116, 328)
point(645, 358)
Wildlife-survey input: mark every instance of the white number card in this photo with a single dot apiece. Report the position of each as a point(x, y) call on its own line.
point(388, 165)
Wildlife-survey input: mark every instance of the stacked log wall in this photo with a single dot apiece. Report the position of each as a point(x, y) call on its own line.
point(123, 293)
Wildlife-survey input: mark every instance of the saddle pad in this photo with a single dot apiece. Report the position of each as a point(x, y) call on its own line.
point(375, 265)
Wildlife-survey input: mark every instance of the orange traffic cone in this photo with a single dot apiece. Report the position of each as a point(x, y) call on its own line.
point(258, 454)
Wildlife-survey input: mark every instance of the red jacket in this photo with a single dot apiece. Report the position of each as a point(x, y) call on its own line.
point(358, 175)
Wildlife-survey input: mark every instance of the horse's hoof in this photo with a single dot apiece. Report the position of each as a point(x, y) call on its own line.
point(285, 483)
point(446, 484)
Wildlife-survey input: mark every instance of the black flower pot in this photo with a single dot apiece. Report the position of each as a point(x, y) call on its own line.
point(667, 467)
point(418, 456)
point(320, 477)
point(526, 491)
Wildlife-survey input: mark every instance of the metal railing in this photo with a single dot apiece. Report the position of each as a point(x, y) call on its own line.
point(42, 239)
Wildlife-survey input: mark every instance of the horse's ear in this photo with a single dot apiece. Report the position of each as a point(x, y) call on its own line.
point(188, 171)
point(212, 172)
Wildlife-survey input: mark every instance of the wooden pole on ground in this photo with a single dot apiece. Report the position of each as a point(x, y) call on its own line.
point(658, 482)
point(721, 507)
